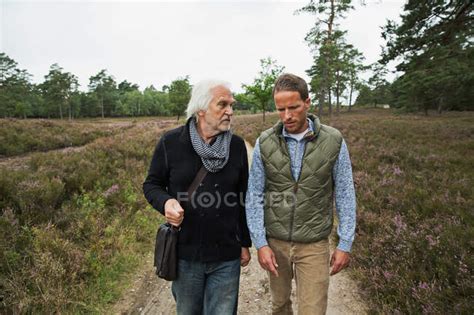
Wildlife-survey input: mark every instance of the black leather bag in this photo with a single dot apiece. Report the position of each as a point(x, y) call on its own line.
point(166, 245)
point(166, 253)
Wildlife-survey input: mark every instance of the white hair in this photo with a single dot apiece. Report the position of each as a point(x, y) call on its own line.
point(201, 95)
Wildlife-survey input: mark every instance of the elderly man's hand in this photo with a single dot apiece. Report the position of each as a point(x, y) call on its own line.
point(244, 256)
point(267, 260)
point(339, 261)
point(174, 213)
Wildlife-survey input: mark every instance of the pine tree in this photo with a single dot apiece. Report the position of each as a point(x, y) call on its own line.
point(433, 45)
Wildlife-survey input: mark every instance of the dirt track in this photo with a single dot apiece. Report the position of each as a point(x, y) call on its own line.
point(151, 295)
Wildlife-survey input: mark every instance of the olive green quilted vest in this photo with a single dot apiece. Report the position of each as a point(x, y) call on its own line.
point(299, 211)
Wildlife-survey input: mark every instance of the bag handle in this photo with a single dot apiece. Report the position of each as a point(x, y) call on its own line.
point(197, 180)
point(192, 188)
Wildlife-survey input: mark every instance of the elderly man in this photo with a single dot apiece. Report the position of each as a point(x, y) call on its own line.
point(213, 240)
point(300, 165)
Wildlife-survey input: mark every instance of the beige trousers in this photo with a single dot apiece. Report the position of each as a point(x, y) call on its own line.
point(309, 264)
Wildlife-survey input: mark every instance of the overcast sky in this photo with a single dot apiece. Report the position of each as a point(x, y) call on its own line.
point(154, 42)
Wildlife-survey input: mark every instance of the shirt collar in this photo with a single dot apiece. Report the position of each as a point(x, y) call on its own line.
point(308, 136)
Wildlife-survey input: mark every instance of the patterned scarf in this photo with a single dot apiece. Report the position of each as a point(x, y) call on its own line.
point(213, 156)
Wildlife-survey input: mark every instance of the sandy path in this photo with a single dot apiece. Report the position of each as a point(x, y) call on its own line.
point(150, 295)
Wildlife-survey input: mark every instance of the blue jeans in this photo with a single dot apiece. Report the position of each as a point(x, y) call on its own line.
point(207, 288)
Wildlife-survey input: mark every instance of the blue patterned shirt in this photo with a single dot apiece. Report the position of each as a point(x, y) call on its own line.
point(343, 190)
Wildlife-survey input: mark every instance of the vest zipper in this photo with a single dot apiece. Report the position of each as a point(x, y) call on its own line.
point(293, 210)
point(295, 190)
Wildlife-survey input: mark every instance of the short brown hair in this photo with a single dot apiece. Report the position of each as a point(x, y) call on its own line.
point(291, 82)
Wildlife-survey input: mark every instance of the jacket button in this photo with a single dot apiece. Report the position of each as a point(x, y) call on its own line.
point(216, 185)
point(201, 184)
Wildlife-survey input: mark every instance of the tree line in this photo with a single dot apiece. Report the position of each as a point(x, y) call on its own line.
point(58, 95)
point(432, 46)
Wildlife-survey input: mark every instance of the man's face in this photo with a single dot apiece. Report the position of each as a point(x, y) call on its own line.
point(218, 116)
point(292, 110)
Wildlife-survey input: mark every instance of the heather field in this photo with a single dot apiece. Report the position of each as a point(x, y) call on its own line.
point(75, 225)
point(414, 177)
